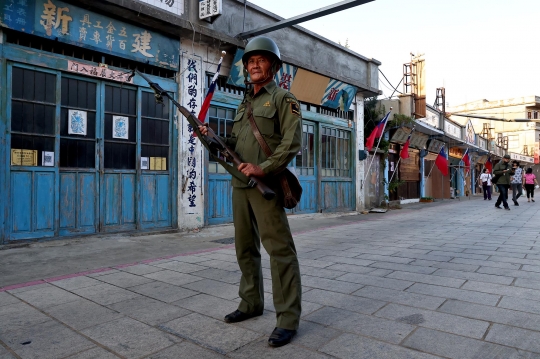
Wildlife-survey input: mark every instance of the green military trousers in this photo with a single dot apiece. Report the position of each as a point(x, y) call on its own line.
point(256, 217)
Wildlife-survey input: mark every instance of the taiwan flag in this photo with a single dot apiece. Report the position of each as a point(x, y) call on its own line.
point(377, 132)
point(442, 162)
point(405, 150)
point(489, 165)
point(467, 161)
point(206, 104)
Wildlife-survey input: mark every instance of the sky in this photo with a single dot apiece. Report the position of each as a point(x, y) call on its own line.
point(476, 49)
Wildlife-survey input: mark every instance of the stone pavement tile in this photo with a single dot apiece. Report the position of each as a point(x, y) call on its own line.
point(346, 260)
point(510, 273)
point(19, 315)
point(312, 335)
point(452, 293)
point(527, 283)
point(7, 299)
point(530, 268)
point(82, 314)
point(486, 263)
point(263, 324)
point(188, 259)
point(500, 258)
point(218, 256)
point(503, 290)
point(502, 250)
point(149, 311)
point(99, 274)
point(428, 257)
point(45, 340)
point(172, 277)
point(208, 305)
point(318, 253)
point(434, 320)
point(210, 333)
point(459, 255)
point(499, 279)
point(522, 305)
point(495, 253)
point(317, 263)
point(457, 347)
point(492, 314)
point(396, 296)
point(212, 287)
point(124, 280)
point(331, 285)
point(164, 292)
point(261, 349)
point(350, 346)
point(387, 330)
point(343, 301)
point(185, 350)
point(380, 251)
point(375, 281)
point(105, 294)
point(181, 267)
point(46, 297)
point(130, 338)
point(94, 353)
point(228, 266)
point(404, 267)
point(140, 269)
point(379, 258)
point(219, 275)
point(514, 337)
point(321, 272)
point(428, 279)
point(380, 272)
point(348, 268)
point(30, 287)
point(5, 354)
point(76, 282)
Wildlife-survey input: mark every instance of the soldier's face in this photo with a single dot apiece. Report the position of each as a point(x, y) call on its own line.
point(258, 67)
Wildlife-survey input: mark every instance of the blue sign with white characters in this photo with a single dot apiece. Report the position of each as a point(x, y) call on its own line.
point(67, 23)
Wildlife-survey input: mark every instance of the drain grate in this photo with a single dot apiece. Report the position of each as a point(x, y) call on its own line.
point(224, 240)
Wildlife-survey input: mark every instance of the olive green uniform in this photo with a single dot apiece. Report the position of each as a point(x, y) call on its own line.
point(277, 114)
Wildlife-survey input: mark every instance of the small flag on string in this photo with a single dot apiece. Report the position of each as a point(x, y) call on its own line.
point(467, 161)
point(442, 162)
point(489, 165)
point(405, 150)
point(377, 132)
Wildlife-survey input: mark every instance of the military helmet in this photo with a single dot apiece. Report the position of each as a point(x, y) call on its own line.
point(262, 44)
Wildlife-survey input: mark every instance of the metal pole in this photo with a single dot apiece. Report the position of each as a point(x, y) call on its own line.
point(397, 166)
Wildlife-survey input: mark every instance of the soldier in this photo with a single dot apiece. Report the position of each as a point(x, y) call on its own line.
point(277, 115)
point(503, 172)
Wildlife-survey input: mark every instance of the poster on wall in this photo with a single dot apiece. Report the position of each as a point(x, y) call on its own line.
point(77, 122)
point(120, 127)
point(144, 163)
point(47, 159)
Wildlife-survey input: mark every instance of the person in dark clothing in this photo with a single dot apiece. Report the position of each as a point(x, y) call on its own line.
point(504, 171)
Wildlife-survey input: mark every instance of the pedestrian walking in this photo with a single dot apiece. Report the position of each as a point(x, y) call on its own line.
point(485, 178)
point(530, 182)
point(502, 172)
point(516, 182)
point(277, 114)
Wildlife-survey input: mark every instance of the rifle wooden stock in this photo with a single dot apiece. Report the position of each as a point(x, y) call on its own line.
point(211, 141)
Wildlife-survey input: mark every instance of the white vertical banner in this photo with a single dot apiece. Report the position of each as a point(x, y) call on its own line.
point(191, 165)
point(359, 146)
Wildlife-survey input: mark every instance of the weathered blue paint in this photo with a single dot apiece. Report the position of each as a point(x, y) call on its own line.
point(21, 209)
point(77, 203)
point(219, 199)
point(148, 195)
point(44, 211)
point(337, 195)
point(163, 200)
point(68, 213)
point(4, 173)
point(128, 198)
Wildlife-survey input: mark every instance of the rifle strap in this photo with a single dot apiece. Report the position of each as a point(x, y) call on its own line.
point(266, 149)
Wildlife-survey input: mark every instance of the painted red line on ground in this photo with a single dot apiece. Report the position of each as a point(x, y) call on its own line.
point(22, 285)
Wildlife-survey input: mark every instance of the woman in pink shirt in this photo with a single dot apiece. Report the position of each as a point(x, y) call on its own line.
point(529, 180)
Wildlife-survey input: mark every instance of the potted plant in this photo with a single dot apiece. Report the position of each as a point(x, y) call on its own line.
point(426, 199)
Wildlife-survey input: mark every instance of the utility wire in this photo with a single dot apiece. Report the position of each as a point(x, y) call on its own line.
point(390, 82)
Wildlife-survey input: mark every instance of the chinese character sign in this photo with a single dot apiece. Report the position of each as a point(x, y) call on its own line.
point(174, 6)
point(338, 95)
point(209, 8)
point(68, 23)
point(191, 150)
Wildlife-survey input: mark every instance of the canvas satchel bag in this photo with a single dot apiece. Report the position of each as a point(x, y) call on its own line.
point(292, 190)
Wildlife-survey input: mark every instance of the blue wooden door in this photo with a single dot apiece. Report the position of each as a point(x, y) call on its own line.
point(306, 169)
point(219, 193)
point(31, 111)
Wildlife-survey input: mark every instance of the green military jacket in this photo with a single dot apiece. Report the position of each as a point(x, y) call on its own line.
point(277, 114)
point(504, 177)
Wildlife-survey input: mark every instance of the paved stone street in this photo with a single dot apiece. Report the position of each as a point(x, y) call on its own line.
point(458, 280)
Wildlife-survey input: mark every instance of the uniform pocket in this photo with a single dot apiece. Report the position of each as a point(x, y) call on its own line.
point(264, 118)
point(236, 122)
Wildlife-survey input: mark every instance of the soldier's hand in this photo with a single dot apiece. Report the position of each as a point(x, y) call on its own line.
point(204, 129)
point(249, 169)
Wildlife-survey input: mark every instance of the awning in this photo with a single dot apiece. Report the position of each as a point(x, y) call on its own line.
point(427, 129)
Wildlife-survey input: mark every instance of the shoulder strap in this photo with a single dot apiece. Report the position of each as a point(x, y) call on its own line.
point(256, 132)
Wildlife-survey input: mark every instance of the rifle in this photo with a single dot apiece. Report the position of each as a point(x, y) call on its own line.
point(212, 142)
